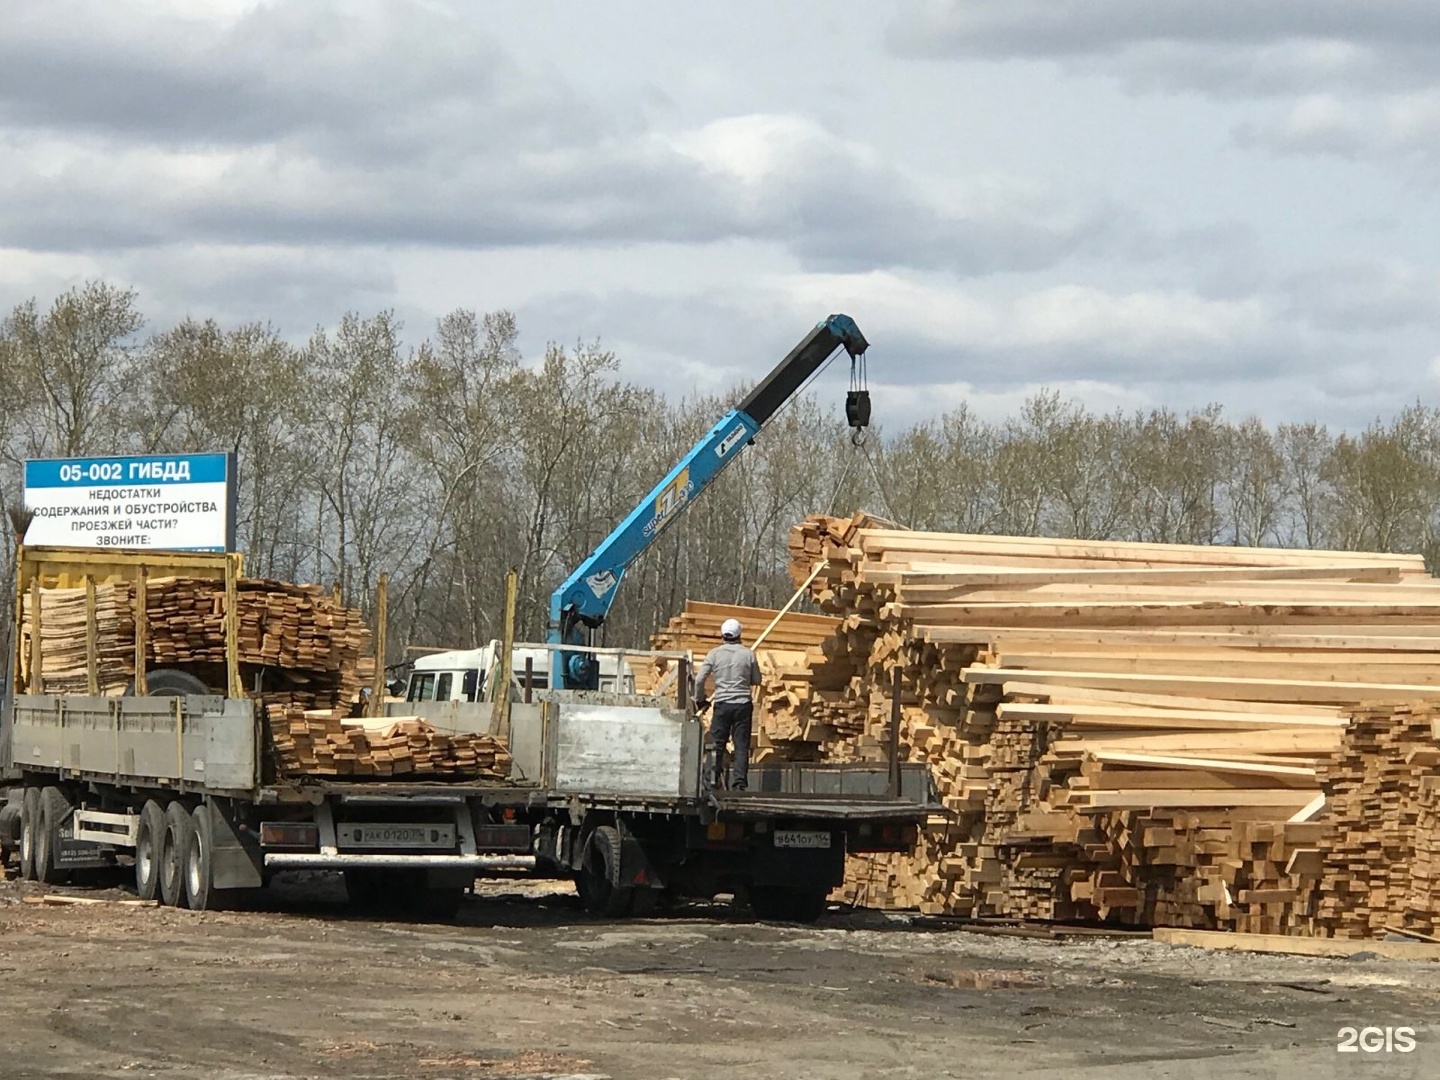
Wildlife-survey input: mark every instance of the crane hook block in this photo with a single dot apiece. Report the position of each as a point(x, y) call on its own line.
point(857, 409)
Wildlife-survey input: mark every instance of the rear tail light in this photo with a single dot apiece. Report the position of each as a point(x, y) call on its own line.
point(296, 834)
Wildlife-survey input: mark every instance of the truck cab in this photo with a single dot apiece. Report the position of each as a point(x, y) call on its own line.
point(467, 674)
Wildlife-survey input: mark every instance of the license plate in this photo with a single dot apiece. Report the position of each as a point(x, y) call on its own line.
point(801, 838)
point(395, 836)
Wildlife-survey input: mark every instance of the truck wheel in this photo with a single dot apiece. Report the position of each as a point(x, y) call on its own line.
point(29, 828)
point(600, 873)
point(54, 809)
point(149, 844)
point(169, 682)
point(200, 891)
point(178, 827)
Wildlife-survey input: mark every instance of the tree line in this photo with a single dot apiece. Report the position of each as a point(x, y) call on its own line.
point(448, 462)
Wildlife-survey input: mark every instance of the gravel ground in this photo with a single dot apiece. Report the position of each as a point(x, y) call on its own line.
point(527, 985)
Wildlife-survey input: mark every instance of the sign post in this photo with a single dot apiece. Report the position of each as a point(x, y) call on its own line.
point(174, 502)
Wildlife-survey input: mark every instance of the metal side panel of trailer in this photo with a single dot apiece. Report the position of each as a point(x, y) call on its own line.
point(202, 742)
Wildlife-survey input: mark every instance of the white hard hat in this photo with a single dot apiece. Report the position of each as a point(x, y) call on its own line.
point(730, 628)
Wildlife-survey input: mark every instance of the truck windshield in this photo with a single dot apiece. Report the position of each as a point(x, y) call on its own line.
point(422, 687)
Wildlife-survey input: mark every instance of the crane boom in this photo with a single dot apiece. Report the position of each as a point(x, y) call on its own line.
point(579, 606)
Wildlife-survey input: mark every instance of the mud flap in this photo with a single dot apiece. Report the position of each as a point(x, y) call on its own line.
point(800, 868)
point(636, 869)
point(235, 856)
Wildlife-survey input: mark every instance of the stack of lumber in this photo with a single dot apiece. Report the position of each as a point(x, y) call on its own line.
point(63, 658)
point(1370, 854)
point(1136, 732)
point(786, 655)
point(298, 630)
point(304, 647)
point(326, 742)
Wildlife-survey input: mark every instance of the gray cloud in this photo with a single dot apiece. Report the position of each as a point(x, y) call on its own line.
point(1224, 48)
point(308, 124)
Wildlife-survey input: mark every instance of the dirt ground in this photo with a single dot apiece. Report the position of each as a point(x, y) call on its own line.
point(527, 985)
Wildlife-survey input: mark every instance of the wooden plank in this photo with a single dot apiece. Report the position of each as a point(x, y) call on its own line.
point(1121, 798)
point(1163, 761)
point(941, 575)
point(1367, 639)
point(875, 541)
point(1310, 811)
point(235, 688)
point(142, 625)
point(1252, 690)
point(1065, 694)
point(92, 640)
point(1296, 946)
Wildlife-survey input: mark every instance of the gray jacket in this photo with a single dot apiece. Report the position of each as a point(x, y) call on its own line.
point(735, 671)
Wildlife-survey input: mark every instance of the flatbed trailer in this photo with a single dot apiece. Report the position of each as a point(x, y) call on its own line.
point(603, 788)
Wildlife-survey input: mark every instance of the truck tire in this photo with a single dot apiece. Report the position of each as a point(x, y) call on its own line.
point(9, 827)
point(199, 875)
point(178, 826)
point(599, 878)
point(169, 682)
point(54, 809)
point(29, 828)
point(149, 845)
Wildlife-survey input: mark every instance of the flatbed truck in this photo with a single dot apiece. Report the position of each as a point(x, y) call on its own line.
point(604, 788)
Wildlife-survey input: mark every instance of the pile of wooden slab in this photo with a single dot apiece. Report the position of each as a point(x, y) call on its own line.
point(296, 642)
point(299, 632)
point(328, 743)
point(1136, 732)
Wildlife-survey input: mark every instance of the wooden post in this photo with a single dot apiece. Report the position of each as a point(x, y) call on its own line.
point(895, 711)
point(500, 699)
point(36, 683)
point(21, 675)
point(234, 687)
point(142, 622)
point(529, 677)
point(382, 618)
point(92, 640)
point(682, 685)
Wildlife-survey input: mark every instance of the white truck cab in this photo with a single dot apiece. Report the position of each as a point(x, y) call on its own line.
point(466, 674)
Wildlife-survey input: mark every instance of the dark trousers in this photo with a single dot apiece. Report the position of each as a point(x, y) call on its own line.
point(731, 719)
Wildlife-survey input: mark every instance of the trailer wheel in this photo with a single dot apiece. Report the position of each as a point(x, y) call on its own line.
point(178, 827)
point(598, 883)
point(149, 846)
point(200, 891)
point(54, 809)
point(29, 828)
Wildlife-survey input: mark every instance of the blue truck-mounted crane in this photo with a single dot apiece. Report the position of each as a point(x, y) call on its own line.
point(579, 606)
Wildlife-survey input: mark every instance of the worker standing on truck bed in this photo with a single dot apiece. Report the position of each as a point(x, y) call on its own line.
point(735, 671)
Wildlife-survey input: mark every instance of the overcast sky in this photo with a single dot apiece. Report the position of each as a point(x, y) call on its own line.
point(1135, 202)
